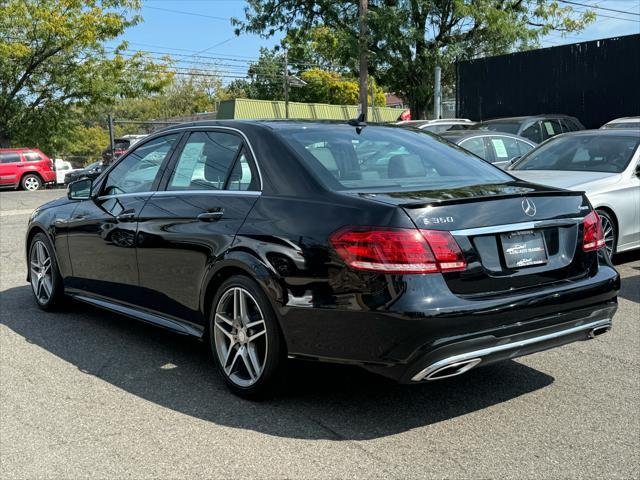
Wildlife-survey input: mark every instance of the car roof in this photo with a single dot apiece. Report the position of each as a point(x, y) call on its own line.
point(623, 120)
point(526, 118)
point(457, 135)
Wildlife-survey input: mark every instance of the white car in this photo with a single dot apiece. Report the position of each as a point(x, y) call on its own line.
point(439, 125)
point(624, 122)
point(62, 168)
point(603, 163)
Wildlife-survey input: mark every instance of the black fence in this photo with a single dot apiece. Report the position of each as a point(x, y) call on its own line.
point(593, 81)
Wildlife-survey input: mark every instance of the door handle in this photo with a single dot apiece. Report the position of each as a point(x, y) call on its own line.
point(126, 216)
point(211, 216)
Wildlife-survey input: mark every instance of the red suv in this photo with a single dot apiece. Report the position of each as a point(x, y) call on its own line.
point(28, 168)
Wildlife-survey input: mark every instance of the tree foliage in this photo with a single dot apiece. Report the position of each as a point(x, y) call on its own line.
point(54, 64)
point(408, 38)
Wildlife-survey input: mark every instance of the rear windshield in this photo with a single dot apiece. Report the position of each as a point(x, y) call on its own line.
point(585, 153)
point(506, 127)
point(382, 158)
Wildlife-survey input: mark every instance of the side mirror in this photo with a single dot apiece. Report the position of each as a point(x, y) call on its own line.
point(638, 170)
point(80, 189)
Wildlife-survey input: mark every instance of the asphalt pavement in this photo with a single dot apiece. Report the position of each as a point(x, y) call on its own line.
point(87, 393)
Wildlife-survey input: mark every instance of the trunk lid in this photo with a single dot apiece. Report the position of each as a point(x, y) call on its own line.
point(514, 235)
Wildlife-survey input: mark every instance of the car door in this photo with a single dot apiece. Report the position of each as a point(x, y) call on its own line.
point(205, 196)
point(629, 205)
point(9, 168)
point(102, 230)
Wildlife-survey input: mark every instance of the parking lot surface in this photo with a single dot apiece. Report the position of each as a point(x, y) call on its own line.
point(87, 393)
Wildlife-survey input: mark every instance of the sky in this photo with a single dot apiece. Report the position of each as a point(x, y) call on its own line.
point(200, 35)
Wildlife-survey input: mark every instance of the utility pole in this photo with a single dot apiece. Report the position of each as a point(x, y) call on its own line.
point(112, 145)
point(437, 94)
point(362, 45)
point(373, 100)
point(285, 84)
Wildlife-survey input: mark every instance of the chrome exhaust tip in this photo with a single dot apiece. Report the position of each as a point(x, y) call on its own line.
point(438, 372)
point(597, 331)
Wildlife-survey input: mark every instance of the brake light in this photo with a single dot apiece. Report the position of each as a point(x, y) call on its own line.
point(398, 250)
point(593, 236)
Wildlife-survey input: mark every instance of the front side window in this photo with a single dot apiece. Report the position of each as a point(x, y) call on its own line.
point(524, 147)
point(550, 128)
point(9, 158)
point(205, 161)
point(533, 132)
point(138, 170)
point(475, 145)
point(593, 153)
point(385, 158)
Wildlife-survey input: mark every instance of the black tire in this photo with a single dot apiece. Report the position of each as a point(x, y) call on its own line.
point(31, 182)
point(271, 378)
point(56, 298)
point(607, 220)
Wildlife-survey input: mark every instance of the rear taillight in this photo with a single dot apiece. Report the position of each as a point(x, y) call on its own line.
point(592, 237)
point(398, 250)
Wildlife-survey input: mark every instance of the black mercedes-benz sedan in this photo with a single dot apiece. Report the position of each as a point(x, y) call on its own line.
point(370, 245)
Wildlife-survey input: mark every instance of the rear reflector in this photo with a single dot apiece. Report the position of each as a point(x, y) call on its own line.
point(398, 250)
point(593, 236)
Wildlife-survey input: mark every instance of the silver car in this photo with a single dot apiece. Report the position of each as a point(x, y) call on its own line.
point(603, 163)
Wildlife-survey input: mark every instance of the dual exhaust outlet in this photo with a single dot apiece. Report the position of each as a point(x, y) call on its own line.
point(459, 364)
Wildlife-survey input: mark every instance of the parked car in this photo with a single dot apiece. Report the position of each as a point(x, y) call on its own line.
point(494, 147)
point(121, 145)
point(537, 128)
point(62, 168)
point(90, 171)
point(439, 126)
point(624, 122)
point(603, 163)
point(26, 168)
point(275, 239)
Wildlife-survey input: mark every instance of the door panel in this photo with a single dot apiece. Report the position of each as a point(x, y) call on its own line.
point(9, 163)
point(176, 248)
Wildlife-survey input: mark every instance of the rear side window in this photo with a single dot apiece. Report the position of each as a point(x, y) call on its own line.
point(9, 158)
point(205, 161)
point(385, 158)
point(550, 128)
point(505, 148)
point(32, 157)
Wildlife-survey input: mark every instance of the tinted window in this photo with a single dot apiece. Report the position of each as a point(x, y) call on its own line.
point(205, 161)
point(475, 145)
point(137, 171)
point(550, 128)
point(9, 157)
point(386, 158)
point(582, 153)
point(533, 132)
point(505, 148)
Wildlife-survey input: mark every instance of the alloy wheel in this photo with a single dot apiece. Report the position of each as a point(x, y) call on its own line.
point(240, 337)
point(609, 233)
point(31, 183)
point(41, 274)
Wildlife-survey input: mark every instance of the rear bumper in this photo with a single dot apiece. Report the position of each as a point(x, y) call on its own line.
point(425, 324)
point(48, 176)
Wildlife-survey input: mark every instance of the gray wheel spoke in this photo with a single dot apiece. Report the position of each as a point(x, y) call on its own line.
point(251, 369)
point(229, 368)
point(46, 285)
point(228, 334)
point(257, 335)
point(224, 318)
point(255, 324)
point(46, 265)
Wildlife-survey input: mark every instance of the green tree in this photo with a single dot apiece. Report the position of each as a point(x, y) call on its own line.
point(266, 75)
point(408, 38)
point(54, 64)
point(330, 87)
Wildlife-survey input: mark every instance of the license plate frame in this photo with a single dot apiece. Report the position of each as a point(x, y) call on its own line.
point(526, 248)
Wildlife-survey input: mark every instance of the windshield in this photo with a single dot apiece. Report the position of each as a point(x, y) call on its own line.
point(588, 153)
point(387, 158)
point(506, 127)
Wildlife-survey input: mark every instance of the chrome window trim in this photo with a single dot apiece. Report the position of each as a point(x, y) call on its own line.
point(514, 227)
point(146, 193)
point(170, 193)
point(216, 127)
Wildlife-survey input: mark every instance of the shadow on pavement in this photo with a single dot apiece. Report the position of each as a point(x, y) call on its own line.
point(323, 402)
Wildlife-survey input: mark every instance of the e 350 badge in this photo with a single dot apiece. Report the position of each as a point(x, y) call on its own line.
point(437, 220)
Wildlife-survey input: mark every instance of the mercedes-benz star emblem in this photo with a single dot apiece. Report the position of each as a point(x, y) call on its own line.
point(528, 207)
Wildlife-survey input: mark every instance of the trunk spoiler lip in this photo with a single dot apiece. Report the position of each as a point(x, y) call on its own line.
point(480, 198)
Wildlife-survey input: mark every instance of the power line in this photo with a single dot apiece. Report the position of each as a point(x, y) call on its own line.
point(596, 7)
point(182, 12)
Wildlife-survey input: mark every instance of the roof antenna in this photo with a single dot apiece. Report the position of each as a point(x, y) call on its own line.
point(359, 123)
